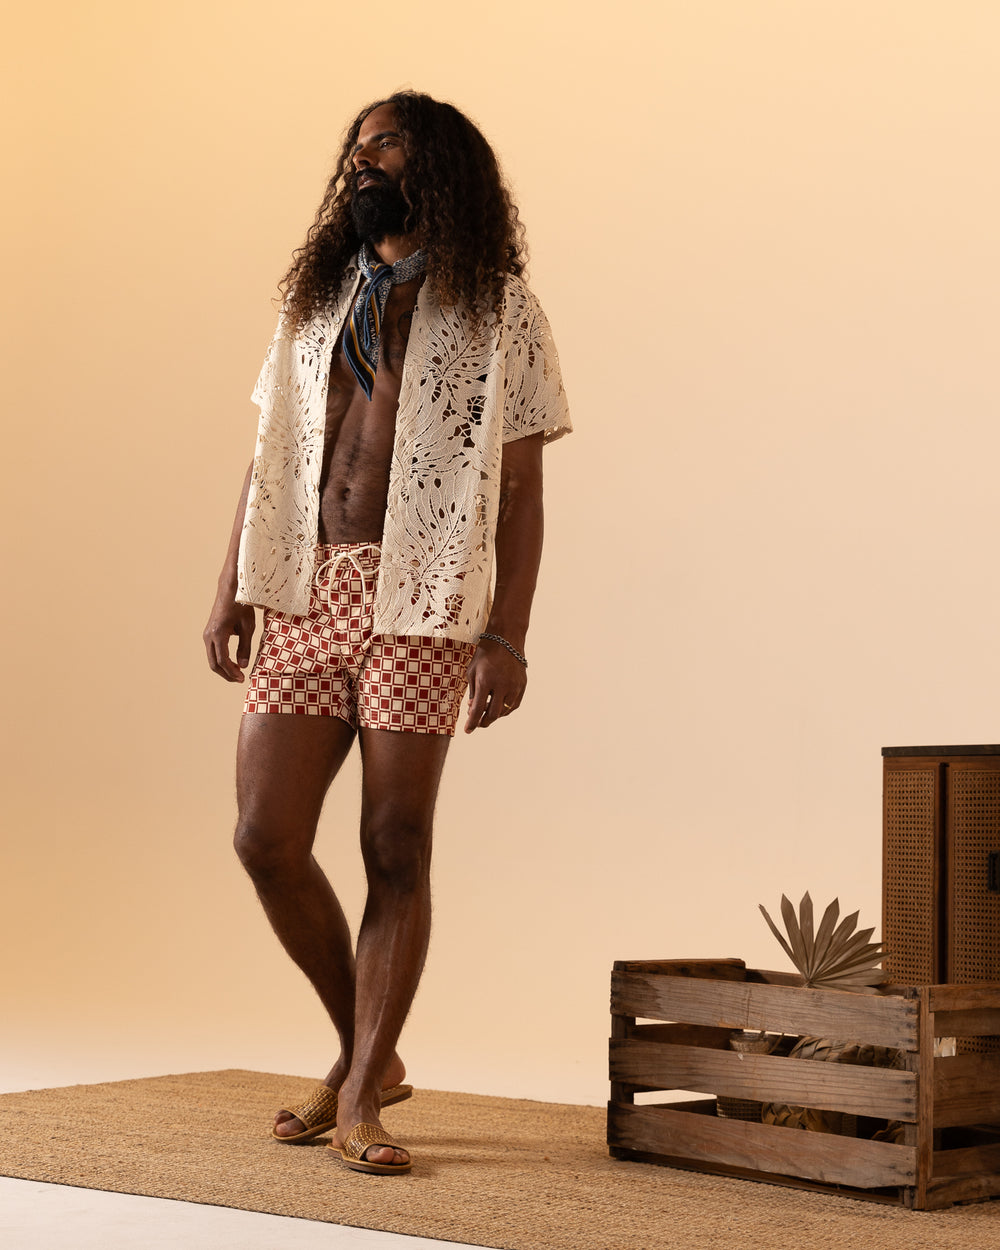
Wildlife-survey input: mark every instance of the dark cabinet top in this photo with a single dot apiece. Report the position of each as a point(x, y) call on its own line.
point(891, 752)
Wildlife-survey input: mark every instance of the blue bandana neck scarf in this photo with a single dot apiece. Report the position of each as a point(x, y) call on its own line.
point(361, 337)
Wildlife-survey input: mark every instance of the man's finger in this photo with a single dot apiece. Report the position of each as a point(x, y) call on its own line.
point(475, 717)
point(478, 704)
point(214, 660)
point(494, 709)
point(243, 650)
point(220, 661)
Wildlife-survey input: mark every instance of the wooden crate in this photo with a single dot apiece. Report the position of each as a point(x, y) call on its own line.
point(670, 1027)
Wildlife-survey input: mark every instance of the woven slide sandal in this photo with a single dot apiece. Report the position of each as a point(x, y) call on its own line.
point(319, 1111)
point(361, 1138)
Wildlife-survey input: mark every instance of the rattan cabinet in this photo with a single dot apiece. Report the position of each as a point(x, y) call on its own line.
point(941, 880)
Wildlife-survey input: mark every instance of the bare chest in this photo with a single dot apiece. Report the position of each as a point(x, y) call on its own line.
point(360, 432)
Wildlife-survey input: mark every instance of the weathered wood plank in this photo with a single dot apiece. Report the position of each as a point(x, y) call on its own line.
point(781, 1009)
point(925, 1095)
point(984, 997)
point(965, 1161)
point(760, 1147)
point(972, 1068)
point(679, 1034)
point(945, 1193)
point(718, 969)
point(875, 1092)
point(764, 977)
point(621, 1026)
point(891, 1195)
point(983, 1022)
point(966, 1090)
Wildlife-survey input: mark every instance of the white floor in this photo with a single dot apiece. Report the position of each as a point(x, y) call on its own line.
point(35, 1216)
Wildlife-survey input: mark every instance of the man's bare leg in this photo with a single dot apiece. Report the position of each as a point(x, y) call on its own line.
point(285, 765)
point(401, 775)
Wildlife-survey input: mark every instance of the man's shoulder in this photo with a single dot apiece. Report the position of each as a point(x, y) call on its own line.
point(520, 306)
point(516, 288)
point(518, 315)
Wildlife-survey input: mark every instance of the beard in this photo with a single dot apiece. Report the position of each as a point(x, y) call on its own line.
point(379, 210)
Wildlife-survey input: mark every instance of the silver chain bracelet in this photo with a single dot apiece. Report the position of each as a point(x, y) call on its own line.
point(504, 643)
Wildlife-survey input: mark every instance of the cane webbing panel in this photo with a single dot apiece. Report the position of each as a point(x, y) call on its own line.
point(909, 917)
point(974, 910)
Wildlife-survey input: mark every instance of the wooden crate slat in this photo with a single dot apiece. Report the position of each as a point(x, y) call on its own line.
point(762, 1078)
point(946, 1193)
point(682, 1034)
point(966, 1090)
point(815, 1156)
point(780, 1009)
point(983, 1022)
point(764, 977)
point(922, 1134)
point(963, 998)
point(718, 969)
point(965, 1161)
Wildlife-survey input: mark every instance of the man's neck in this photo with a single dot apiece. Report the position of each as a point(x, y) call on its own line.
point(395, 247)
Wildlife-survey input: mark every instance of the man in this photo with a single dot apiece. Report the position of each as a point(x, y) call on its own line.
point(404, 403)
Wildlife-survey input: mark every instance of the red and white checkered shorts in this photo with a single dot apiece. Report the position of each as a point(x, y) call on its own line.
point(328, 662)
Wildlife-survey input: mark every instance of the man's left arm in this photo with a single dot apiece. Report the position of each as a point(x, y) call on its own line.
point(497, 678)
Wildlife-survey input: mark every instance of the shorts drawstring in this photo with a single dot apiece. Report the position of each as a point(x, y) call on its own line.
point(329, 569)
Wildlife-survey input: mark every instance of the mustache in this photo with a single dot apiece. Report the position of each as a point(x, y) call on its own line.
point(380, 177)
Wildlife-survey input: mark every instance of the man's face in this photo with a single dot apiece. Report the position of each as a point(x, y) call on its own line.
point(379, 206)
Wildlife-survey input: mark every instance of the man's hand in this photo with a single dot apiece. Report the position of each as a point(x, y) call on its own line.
point(497, 683)
point(229, 618)
point(496, 677)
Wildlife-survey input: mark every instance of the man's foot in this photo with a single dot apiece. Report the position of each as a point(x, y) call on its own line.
point(318, 1114)
point(367, 1147)
point(319, 1111)
point(360, 1137)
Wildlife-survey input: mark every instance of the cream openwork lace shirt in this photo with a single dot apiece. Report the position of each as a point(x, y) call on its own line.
point(467, 388)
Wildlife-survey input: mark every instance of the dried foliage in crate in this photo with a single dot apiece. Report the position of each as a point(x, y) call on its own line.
point(746, 1042)
point(832, 957)
point(825, 1049)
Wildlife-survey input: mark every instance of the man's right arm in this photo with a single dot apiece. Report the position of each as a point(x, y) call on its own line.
point(229, 617)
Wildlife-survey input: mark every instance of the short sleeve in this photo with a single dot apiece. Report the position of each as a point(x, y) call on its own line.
point(535, 400)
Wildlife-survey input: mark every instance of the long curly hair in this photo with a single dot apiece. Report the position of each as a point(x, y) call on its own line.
point(460, 209)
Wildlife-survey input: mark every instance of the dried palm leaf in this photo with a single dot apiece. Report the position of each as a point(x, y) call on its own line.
point(823, 1048)
point(833, 956)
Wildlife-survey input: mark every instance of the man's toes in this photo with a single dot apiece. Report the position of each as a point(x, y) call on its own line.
point(385, 1154)
point(287, 1125)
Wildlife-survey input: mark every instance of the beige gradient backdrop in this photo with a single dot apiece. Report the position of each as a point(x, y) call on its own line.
point(765, 232)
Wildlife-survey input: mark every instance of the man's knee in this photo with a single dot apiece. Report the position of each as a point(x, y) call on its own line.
point(397, 851)
point(265, 850)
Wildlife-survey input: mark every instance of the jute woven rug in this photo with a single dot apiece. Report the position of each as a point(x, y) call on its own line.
point(489, 1171)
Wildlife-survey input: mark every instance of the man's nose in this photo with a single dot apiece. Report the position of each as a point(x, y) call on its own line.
point(361, 160)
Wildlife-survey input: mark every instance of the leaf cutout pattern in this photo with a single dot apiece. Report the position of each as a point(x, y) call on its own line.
point(469, 385)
